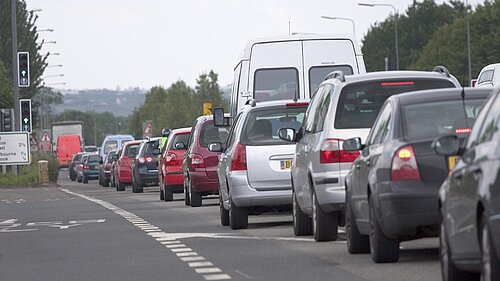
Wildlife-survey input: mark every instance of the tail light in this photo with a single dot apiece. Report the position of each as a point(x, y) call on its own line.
point(86, 166)
point(331, 152)
point(171, 160)
point(197, 161)
point(404, 165)
point(239, 159)
point(463, 131)
point(107, 167)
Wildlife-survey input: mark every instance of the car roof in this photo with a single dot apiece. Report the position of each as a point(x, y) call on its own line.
point(490, 66)
point(204, 118)
point(181, 130)
point(399, 74)
point(433, 95)
point(274, 103)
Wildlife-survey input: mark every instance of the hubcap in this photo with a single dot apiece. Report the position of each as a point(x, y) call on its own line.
point(486, 255)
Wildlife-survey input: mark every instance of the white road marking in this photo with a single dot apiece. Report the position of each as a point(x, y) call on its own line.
point(171, 246)
point(200, 264)
point(187, 254)
point(181, 250)
point(9, 221)
point(208, 270)
point(198, 258)
point(217, 277)
point(168, 242)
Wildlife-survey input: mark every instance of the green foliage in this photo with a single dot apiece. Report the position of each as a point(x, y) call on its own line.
point(29, 175)
point(6, 99)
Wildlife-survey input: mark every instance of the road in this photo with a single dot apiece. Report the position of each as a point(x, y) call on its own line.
point(86, 232)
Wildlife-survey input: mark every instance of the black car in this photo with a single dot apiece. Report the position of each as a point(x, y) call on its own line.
point(392, 187)
point(145, 165)
point(469, 200)
point(105, 171)
point(73, 166)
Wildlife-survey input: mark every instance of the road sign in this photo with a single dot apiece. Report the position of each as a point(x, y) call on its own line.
point(14, 148)
point(45, 144)
point(207, 108)
point(147, 129)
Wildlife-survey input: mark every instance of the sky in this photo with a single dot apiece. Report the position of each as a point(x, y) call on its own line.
point(117, 44)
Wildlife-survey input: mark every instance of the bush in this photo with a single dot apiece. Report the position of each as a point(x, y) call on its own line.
point(29, 174)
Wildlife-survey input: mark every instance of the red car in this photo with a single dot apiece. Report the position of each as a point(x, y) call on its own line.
point(170, 177)
point(123, 170)
point(199, 164)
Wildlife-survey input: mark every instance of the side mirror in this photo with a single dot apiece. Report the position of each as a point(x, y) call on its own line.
point(101, 162)
point(179, 145)
point(114, 157)
point(446, 145)
point(287, 134)
point(219, 119)
point(156, 151)
point(353, 144)
point(215, 147)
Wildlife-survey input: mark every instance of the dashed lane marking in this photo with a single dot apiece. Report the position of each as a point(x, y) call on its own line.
point(184, 253)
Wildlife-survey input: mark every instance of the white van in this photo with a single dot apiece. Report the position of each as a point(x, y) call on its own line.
point(489, 76)
point(288, 67)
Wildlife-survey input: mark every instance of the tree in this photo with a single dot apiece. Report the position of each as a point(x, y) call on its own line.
point(207, 90)
point(176, 112)
point(6, 99)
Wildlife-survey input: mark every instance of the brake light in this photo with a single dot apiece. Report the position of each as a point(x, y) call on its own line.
point(141, 160)
point(400, 83)
point(171, 160)
point(404, 165)
point(149, 159)
point(292, 104)
point(86, 166)
point(330, 152)
point(463, 131)
point(239, 159)
point(197, 161)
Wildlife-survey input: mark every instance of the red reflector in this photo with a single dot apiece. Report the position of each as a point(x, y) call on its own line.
point(402, 83)
point(463, 131)
point(149, 159)
point(291, 104)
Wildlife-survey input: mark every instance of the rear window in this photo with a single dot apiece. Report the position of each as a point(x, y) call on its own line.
point(318, 73)
point(77, 157)
point(131, 148)
point(210, 133)
point(486, 76)
point(360, 103)
point(276, 84)
point(82, 160)
point(94, 158)
point(184, 138)
point(110, 145)
point(429, 120)
point(149, 147)
point(261, 127)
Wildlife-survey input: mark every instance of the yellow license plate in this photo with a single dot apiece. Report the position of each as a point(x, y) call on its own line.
point(452, 161)
point(286, 164)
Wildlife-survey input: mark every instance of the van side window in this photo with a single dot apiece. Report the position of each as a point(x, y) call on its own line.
point(234, 92)
point(276, 84)
point(486, 76)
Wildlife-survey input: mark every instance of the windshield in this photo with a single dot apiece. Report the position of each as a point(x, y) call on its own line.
point(210, 133)
point(110, 145)
point(149, 147)
point(359, 103)
point(183, 138)
point(276, 84)
point(262, 126)
point(432, 119)
point(93, 158)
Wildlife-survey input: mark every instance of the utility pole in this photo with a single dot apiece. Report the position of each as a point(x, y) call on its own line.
point(469, 60)
point(15, 83)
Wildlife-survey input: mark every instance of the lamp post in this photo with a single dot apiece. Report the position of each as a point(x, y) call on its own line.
point(46, 30)
point(54, 65)
point(47, 42)
point(341, 18)
point(395, 25)
point(469, 60)
point(55, 75)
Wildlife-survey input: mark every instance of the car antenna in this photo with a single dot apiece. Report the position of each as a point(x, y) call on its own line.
point(462, 95)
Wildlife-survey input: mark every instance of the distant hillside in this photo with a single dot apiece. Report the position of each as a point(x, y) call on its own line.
point(118, 102)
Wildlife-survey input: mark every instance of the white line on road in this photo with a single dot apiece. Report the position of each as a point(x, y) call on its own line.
point(198, 258)
point(217, 277)
point(208, 270)
point(200, 264)
point(187, 254)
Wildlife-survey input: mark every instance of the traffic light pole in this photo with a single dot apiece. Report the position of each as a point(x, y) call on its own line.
point(15, 83)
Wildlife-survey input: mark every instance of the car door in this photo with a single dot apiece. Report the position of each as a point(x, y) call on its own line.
point(224, 166)
point(301, 161)
point(366, 164)
point(464, 181)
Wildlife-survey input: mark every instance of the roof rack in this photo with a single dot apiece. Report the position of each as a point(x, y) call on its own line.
point(336, 74)
point(443, 70)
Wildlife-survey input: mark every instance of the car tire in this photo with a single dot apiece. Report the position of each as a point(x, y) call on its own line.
point(490, 266)
point(448, 270)
point(162, 194)
point(302, 223)
point(238, 217)
point(100, 180)
point(85, 179)
point(224, 214)
point(383, 249)
point(106, 183)
point(169, 195)
point(120, 186)
point(187, 199)
point(324, 225)
point(356, 242)
point(78, 179)
point(196, 199)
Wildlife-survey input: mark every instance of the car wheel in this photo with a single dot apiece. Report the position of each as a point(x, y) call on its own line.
point(100, 180)
point(169, 195)
point(187, 199)
point(302, 223)
point(79, 179)
point(85, 179)
point(382, 248)
point(196, 199)
point(238, 217)
point(162, 195)
point(324, 225)
point(490, 266)
point(119, 186)
point(224, 214)
point(356, 242)
point(106, 183)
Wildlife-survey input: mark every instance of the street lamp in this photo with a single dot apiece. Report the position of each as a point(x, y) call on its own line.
point(395, 25)
point(47, 42)
point(46, 30)
point(54, 65)
point(52, 84)
point(55, 75)
point(341, 18)
point(468, 43)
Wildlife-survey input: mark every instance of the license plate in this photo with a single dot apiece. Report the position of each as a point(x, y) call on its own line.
point(452, 161)
point(286, 164)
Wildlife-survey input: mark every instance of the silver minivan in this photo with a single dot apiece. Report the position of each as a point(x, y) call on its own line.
point(343, 107)
point(254, 167)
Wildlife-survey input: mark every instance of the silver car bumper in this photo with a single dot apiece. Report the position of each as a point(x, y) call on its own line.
point(330, 190)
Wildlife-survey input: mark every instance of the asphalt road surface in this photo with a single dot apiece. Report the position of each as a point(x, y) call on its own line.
point(78, 231)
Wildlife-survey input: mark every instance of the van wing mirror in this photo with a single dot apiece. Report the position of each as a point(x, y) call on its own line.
point(447, 145)
point(353, 144)
point(219, 119)
point(179, 145)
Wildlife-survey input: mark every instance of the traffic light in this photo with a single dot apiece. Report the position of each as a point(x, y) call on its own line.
point(7, 120)
point(23, 67)
point(26, 119)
